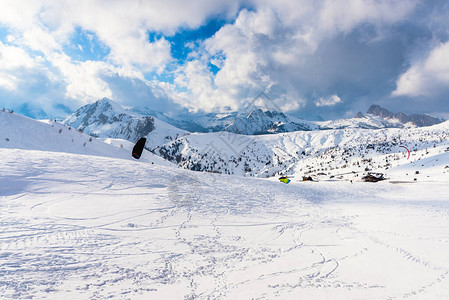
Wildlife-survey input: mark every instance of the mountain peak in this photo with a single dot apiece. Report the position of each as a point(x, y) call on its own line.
point(359, 115)
point(256, 113)
point(377, 110)
point(419, 120)
point(108, 119)
point(263, 122)
point(108, 104)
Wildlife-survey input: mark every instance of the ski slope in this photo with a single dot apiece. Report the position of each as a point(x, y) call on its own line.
point(81, 226)
point(19, 132)
point(85, 222)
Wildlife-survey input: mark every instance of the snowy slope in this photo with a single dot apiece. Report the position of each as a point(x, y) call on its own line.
point(80, 219)
point(19, 132)
point(84, 227)
point(147, 156)
point(306, 153)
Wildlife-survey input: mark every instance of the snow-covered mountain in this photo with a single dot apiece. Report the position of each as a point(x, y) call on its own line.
point(20, 132)
point(213, 122)
point(178, 122)
point(107, 119)
point(305, 152)
point(300, 151)
point(364, 121)
point(419, 120)
point(81, 219)
point(262, 122)
point(257, 121)
point(377, 117)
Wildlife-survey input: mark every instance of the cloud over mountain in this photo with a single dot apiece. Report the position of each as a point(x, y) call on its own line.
point(299, 52)
point(428, 76)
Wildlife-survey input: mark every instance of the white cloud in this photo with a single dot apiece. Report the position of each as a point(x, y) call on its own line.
point(268, 46)
point(39, 39)
point(202, 92)
point(429, 76)
point(13, 59)
point(20, 15)
point(328, 101)
point(82, 79)
point(344, 15)
point(122, 27)
point(265, 48)
point(8, 81)
point(287, 102)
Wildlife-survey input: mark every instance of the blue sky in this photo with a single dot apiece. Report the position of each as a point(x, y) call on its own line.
point(84, 45)
point(329, 58)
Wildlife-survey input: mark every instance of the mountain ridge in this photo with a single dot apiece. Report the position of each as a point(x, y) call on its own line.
point(108, 119)
point(419, 120)
point(263, 122)
point(322, 154)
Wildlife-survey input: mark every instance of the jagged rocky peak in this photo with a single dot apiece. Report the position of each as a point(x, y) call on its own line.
point(106, 105)
point(103, 111)
point(359, 115)
point(417, 119)
point(106, 118)
point(255, 122)
point(380, 111)
point(263, 122)
point(275, 114)
point(257, 114)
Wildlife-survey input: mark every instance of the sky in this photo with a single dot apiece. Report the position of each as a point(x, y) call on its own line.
point(327, 58)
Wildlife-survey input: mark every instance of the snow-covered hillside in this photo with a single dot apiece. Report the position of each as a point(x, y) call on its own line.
point(107, 119)
point(80, 219)
point(319, 153)
point(381, 151)
point(88, 227)
point(19, 132)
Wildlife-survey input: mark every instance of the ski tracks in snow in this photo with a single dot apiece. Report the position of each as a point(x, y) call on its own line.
point(136, 230)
